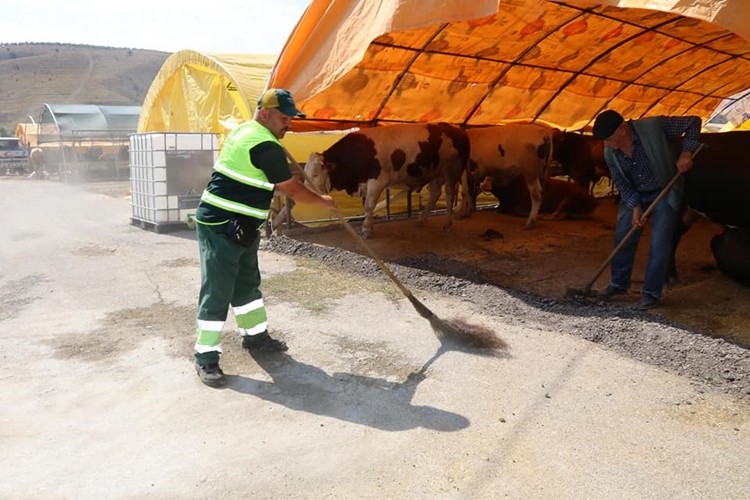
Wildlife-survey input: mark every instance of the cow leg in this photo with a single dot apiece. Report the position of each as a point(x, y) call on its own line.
point(561, 212)
point(370, 202)
point(672, 278)
point(466, 201)
point(684, 223)
point(472, 184)
point(433, 194)
point(536, 194)
point(450, 199)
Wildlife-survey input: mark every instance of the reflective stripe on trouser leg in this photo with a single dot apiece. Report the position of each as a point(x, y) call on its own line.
point(251, 318)
point(209, 336)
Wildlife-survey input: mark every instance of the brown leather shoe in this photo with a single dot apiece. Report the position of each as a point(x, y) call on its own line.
point(610, 292)
point(647, 302)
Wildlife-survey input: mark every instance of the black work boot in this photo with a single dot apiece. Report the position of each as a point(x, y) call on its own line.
point(210, 374)
point(263, 342)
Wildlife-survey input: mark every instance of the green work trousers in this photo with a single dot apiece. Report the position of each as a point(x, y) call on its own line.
point(229, 277)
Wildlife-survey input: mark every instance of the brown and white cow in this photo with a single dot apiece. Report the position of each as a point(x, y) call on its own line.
point(410, 155)
point(504, 152)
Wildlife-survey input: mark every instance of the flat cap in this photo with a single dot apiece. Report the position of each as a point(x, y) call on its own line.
point(606, 124)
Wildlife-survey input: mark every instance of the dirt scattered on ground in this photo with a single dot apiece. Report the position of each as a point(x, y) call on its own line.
point(124, 330)
point(17, 294)
point(523, 275)
point(93, 251)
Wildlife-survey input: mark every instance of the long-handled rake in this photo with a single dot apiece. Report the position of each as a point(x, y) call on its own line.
point(455, 329)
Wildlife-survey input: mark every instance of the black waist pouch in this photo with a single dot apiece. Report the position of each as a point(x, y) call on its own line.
point(242, 231)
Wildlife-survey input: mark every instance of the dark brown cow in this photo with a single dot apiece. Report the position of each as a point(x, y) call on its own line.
point(505, 152)
point(562, 199)
point(581, 157)
point(411, 155)
point(718, 186)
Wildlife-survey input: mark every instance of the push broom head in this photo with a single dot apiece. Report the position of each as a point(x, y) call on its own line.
point(460, 331)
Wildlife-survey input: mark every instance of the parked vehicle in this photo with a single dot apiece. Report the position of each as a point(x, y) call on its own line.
point(14, 157)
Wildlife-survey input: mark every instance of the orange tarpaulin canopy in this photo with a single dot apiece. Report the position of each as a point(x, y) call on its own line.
point(483, 62)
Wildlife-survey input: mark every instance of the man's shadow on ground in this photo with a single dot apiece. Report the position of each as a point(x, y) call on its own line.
point(369, 401)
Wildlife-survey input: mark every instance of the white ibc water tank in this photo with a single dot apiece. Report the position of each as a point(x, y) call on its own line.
point(168, 172)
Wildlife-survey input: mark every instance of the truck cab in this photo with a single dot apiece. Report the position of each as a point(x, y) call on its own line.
point(14, 156)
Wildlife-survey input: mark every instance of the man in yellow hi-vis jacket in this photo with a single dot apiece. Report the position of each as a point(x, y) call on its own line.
point(236, 201)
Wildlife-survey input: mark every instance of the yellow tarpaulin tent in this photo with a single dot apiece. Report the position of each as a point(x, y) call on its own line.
point(196, 92)
point(370, 62)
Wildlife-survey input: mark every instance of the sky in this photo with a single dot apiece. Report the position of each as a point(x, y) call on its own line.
point(224, 26)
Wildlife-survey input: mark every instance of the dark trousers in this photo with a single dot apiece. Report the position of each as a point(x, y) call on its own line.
point(663, 223)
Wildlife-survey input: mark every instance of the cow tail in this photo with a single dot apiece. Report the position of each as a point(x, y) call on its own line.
point(467, 204)
point(545, 172)
point(464, 208)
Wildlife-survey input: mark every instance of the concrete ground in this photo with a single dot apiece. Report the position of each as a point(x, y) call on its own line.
point(100, 399)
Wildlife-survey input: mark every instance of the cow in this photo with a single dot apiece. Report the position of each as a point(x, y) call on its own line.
point(36, 158)
point(581, 158)
point(717, 186)
point(36, 162)
point(411, 155)
point(504, 152)
point(562, 199)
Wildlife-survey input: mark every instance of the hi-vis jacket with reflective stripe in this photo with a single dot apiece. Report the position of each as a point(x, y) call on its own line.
point(226, 191)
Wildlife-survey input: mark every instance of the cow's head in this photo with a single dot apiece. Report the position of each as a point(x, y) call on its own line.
point(317, 174)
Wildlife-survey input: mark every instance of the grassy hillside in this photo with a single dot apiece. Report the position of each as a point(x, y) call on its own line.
point(36, 73)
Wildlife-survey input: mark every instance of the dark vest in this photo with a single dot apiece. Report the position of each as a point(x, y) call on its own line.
point(661, 158)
